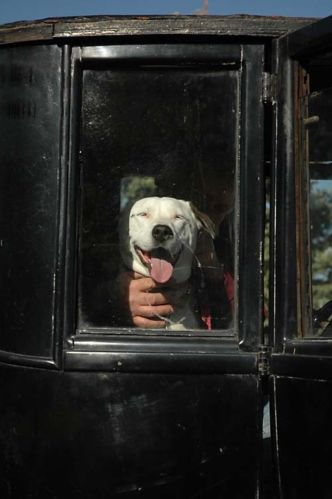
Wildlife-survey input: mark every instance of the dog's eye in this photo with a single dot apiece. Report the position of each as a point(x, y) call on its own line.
point(179, 217)
point(142, 214)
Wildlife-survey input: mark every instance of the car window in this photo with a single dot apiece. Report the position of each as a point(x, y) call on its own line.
point(163, 132)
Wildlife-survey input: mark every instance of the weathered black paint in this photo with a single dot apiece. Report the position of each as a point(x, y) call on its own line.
point(30, 145)
point(303, 439)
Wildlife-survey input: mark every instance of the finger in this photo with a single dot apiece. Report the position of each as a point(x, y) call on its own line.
point(148, 323)
point(153, 299)
point(143, 283)
point(147, 299)
point(150, 312)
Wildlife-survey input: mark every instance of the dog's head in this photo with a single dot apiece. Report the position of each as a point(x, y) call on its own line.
point(158, 237)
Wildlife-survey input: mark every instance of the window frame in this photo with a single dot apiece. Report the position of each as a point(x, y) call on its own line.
point(292, 351)
point(249, 220)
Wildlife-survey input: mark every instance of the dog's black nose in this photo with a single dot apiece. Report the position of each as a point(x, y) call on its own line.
point(161, 233)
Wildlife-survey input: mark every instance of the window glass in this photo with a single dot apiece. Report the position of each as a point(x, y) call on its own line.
point(320, 208)
point(156, 132)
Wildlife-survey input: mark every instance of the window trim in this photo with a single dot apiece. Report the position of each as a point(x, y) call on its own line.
point(249, 182)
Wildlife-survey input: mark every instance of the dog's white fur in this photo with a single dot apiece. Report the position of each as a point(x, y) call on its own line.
point(183, 222)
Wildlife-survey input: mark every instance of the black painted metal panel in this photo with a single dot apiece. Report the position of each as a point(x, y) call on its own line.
point(283, 304)
point(251, 196)
point(195, 53)
point(30, 115)
point(304, 437)
point(87, 435)
point(310, 364)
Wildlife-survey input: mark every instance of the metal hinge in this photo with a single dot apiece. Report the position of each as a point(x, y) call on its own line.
point(269, 88)
point(263, 363)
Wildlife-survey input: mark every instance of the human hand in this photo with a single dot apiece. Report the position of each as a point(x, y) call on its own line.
point(144, 301)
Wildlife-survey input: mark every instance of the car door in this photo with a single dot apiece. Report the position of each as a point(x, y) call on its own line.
point(154, 119)
point(91, 406)
point(301, 360)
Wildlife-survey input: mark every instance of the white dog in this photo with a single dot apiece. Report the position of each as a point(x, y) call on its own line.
point(158, 239)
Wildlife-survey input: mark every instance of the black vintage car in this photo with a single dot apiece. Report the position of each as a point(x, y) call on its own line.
point(234, 114)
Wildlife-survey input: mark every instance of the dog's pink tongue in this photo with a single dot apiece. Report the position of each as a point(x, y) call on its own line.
point(161, 270)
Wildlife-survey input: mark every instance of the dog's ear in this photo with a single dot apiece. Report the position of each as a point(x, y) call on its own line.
point(204, 220)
